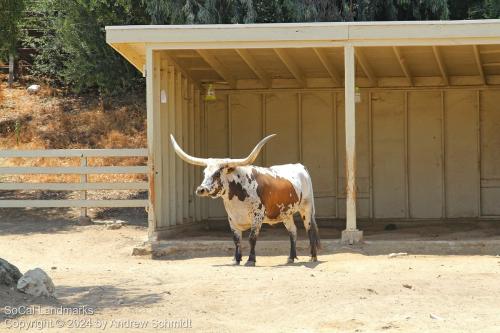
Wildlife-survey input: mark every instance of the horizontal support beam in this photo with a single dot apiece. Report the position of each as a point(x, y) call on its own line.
point(73, 186)
point(141, 152)
point(497, 51)
point(72, 203)
point(458, 81)
point(492, 64)
point(73, 170)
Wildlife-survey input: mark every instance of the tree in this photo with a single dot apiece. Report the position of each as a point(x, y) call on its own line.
point(71, 46)
point(12, 11)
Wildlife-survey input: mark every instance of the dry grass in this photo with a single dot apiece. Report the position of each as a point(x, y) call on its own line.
point(50, 121)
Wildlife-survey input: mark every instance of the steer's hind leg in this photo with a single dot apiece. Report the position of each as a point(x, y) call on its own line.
point(252, 239)
point(237, 244)
point(312, 231)
point(292, 231)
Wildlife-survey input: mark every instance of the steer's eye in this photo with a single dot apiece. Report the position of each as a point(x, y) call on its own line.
point(216, 175)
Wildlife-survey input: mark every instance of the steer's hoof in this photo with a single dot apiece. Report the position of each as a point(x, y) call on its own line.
point(250, 263)
point(291, 260)
point(313, 259)
point(236, 262)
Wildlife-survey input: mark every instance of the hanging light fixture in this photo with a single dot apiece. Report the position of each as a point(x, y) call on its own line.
point(210, 95)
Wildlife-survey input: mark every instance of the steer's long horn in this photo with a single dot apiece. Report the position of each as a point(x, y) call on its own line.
point(186, 157)
point(253, 155)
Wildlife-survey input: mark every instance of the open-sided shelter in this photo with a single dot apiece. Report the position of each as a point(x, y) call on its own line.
point(394, 120)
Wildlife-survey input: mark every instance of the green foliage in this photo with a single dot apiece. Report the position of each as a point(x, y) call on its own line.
point(69, 35)
point(11, 12)
point(71, 43)
point(486, 9)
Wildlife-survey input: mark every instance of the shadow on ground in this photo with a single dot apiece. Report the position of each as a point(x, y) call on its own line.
point(51, 220)
point(106, 296)
point(97, 297)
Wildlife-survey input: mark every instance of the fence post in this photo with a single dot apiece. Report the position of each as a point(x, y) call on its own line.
point(84, 219)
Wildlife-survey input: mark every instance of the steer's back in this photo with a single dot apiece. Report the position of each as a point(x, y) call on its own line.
point(283, 189)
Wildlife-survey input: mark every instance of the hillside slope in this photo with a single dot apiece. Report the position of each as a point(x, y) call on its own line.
point(48, 120)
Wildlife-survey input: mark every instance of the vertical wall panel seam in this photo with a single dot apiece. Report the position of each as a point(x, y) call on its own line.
point(406, 156)
point(300, 127)
point(479, 155)
point(264, 127)
point(229, 127)
point(336, 157)
point(444, 212)
point(370, 157)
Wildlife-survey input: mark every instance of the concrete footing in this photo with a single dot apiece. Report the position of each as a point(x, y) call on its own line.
point(193, 248)
point(84, 220)
point(351, 237)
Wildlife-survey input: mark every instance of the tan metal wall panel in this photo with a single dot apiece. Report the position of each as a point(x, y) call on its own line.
point(388, 133)
point(424, 154)
point(490, 152)
point(461, 163)
point(282, 118)
point(311, 129)
point(217, 145)
point(318, 152)
point(245, 124)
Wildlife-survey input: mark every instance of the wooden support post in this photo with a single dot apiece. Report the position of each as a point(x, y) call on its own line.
point(11, 70)
point(179, 164)
point(172, 157)
point(154, 144)
point(84, 219)
point(351, 235)
point(185, 143)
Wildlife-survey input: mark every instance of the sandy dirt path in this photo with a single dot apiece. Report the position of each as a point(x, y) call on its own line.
point(344, 292)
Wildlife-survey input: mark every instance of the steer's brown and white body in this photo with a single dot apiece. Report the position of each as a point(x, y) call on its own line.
point(254, 195)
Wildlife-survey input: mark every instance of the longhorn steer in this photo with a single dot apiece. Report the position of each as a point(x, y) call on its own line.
point(253, 195)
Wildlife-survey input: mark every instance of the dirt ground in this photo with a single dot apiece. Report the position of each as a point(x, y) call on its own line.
point(92, 266)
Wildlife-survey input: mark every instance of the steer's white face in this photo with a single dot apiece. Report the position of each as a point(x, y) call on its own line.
point(212, 185)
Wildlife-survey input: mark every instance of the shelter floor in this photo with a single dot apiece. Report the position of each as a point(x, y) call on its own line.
point(389, 230)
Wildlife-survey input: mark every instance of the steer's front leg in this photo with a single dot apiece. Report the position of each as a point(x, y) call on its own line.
point(237, 243)
point(252, 239)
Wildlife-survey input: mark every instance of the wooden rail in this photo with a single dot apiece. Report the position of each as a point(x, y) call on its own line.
point(83, 170)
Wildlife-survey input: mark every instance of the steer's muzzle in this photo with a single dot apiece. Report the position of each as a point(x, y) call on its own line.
point(202, 191)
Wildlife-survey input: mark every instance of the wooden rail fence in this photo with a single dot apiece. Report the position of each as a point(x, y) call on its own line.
point(83, 170)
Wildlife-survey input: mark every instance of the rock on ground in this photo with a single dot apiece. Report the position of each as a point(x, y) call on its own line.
point(36, 282)
point(9, 274)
